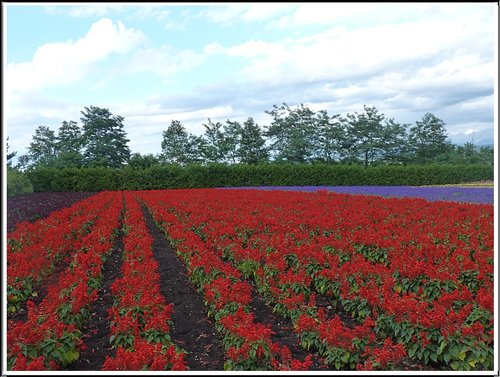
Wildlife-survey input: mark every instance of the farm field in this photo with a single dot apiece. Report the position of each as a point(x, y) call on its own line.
point(239, 279)
point(33, 206)
point(466, 193)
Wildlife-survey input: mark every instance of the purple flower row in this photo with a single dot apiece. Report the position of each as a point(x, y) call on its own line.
point(482, 195)
point(33, 206)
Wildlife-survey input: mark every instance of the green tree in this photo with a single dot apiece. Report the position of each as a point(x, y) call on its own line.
point(175, 144)
point(232, 132)
point(215, 147)
point(331, 142)
point(468, 153)
point(138, 161)
point(104, 137)
point(69, 145)
point(394, 142)
point(252, 148)
point(292, 133)
point(365, 133)
point(196, 149)
point(17, 182)
point(10, 155)
point(486, 155)
point(428, 139)
point(42, 151)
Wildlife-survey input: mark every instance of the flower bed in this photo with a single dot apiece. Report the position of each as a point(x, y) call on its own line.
point(368, 282)
point(33, 206)
point(51, 336)
point(35, 248)
point(419, 275)
point(248, 343)
point(481, 195)
point(140, 319)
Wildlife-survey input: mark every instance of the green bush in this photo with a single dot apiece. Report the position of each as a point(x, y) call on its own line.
point(17, 183)
point(237, 175)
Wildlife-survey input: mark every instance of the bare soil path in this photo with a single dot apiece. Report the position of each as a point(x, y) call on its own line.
point(192, 329)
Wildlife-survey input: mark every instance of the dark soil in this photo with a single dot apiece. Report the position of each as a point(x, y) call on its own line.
point(282, 328)
point(96, 331)
point(192, 329)
point(331, 310)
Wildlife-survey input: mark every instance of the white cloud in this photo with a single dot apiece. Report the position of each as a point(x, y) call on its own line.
point(156, 12)
point(253, 49)
point(230, 14)
point(338, 54)
point(164, 61)
point(359, 14)
point(66, 63)
point(84, 10)
point(325, 13)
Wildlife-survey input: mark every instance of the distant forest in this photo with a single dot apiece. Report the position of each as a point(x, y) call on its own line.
point(295, 135)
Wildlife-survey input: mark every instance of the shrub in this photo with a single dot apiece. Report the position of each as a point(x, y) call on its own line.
point(237, 175)
point(17, 183)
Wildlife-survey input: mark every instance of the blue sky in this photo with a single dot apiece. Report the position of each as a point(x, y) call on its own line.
point(153, 63)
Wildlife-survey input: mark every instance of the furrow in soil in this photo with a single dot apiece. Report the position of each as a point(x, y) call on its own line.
point(192, 329)
point(97, 330)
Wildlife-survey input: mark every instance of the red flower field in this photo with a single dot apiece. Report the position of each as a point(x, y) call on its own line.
point(210, 279)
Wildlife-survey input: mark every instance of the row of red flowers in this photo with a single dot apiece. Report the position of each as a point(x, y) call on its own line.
point(292, 298)
point(33, 249)
point(140, 318)
point(421, 272)
point(248, 343)
point(51, 336)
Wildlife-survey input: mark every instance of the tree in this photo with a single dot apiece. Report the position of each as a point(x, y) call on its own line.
point(303, 135)
point(428, 139)
point(394, 142)
point(214, 149)
point(195, 149)
point(175, 143)
point(138, 161)
point(231, 140)
point(331, 138)
point(469, 153)
point(10, 155)
point(105, 138)
point(292, 133)
point(69, 145)
point(42, 150)
point(365, 133)
point(252, 148)
point(486, 155)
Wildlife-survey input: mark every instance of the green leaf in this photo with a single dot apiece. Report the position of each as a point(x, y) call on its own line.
point(441, 348)
point(433, 356)
point(70, 356)
point(454, 365)
point(252, 353)
point(462, 355)
point(228, 365)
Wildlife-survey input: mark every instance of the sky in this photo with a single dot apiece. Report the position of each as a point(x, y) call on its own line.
point(156, 62)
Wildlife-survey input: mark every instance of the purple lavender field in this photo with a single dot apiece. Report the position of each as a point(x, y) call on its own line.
point(481, 195)
point(33, 206)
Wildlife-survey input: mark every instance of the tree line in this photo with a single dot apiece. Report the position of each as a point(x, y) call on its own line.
point(295, 135)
